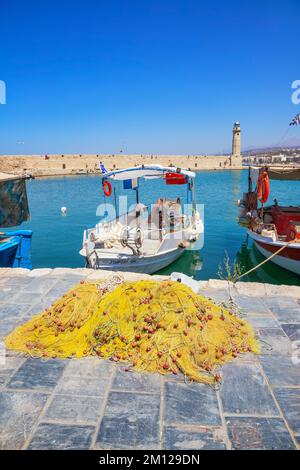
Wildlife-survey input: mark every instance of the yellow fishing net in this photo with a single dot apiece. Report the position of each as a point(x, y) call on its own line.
point(153, 326)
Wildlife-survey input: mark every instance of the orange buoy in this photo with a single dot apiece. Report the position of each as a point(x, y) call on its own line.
point(107, 189)
point(263, 187)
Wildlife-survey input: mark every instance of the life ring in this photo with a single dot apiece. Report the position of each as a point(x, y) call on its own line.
point(107, 189)
point(263, 187)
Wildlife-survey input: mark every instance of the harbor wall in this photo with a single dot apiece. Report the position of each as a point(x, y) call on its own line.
point(52, 165)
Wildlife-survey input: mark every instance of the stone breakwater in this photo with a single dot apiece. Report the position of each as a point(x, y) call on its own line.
point(54, 165)
point(94, 404)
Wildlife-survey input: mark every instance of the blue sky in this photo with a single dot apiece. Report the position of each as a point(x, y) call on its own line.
point(168, 76)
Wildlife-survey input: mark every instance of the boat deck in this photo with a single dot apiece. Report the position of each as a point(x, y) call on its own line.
point(149, 247)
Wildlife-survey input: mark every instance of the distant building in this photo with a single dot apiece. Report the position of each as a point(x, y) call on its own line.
point(279, 158)
point(269, 158)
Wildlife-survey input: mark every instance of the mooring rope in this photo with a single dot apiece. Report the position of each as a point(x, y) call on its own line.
point(264, 261)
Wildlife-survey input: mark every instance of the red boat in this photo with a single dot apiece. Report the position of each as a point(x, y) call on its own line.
point(274, 229)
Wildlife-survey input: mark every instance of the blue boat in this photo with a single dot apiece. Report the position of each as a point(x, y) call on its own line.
point(15, 245)
point(15, 249)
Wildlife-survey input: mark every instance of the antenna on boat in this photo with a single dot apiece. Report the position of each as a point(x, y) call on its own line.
point(249, 180)
point(116, 204)
point(137, 199)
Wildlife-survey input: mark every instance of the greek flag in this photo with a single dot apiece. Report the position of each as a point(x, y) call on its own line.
point(296, 120)
point(102, 168)
point(130, 184)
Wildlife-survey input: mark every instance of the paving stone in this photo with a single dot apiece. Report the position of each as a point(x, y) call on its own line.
point(286, 309)
point(218, 284)
point(244, 391)
point(15, 272)
point(248, 358)
point(292, 330)
point(281, 370)
point(27, 297)
point(72, 278)
point(8, 366)
point(100, 274)
point(131, 420)
point(259, 434)
point(18, 413)
point(273, 290)
point(39, 272)
point(176, 438)
point(37, 374)
point(289, 402)
point(63, 286)
point(250, 304)
point(8, 311)
point(61, 437)
point(12, 353)
point(190, 404)
point(86, 386)
point(203, 285)
point(262, 321)
point(289, 316)
point(39, 306)
point(7, 326)
point(136, 381)
point(76, 410)
point(63, 272)
point(19, 282)
point(274, 341)
point(81, 272)
point(41, 285)
point(250, 289)
point(7, 295)
point(89, 367)
point(217, 295)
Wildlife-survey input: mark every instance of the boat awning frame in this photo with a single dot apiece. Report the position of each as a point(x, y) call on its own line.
point(145, 171)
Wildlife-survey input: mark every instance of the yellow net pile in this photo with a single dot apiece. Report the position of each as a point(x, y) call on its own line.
point(153, 326)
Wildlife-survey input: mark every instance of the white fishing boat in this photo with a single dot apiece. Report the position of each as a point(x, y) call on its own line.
point(145, 238)
point(274, 229)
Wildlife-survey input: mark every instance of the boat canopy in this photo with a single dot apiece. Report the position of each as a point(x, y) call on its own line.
point(277, 173)
point(146, 171)
point(290, 174)
point(13, 200)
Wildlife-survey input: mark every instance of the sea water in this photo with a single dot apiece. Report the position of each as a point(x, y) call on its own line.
point(57, 239)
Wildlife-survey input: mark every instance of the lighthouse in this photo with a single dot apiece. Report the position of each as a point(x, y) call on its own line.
point(236, 140)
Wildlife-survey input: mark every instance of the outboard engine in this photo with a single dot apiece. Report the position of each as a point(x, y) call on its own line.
point(132, 238)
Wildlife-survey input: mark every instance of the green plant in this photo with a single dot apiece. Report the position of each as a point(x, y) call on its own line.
point(230, 271)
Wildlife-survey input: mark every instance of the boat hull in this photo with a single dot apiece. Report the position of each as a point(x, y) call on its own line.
point(138, 264)
point(289, 258)
point(15, 251)
point(8, 251)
